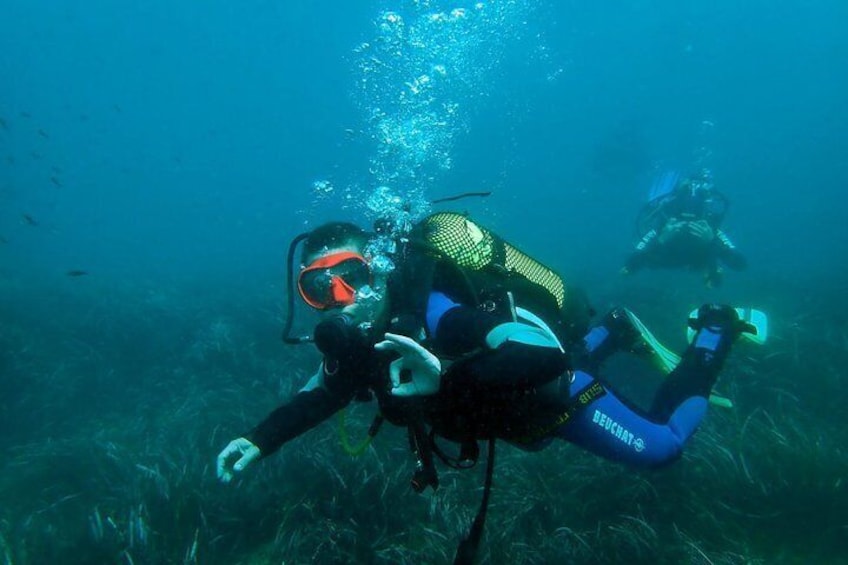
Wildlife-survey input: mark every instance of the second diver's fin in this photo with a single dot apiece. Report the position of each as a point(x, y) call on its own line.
point(722, 401)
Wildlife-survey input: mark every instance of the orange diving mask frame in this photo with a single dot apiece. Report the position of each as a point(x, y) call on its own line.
point(331, 281)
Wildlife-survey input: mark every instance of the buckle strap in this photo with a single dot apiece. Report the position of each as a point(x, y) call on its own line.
point(586, 395)
point(467, 550)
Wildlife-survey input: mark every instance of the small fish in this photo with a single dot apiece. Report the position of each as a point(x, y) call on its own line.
point(43, 133)
point(3, 240)
point(56, 181)
point(24, 114)
point(3, 123)
point(117, 108)
point(10, 160)
point(55, 169)
point(76, 273)
point(29, 219)
point(35, 155)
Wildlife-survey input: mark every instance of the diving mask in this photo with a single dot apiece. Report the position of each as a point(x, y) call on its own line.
point(331, 281)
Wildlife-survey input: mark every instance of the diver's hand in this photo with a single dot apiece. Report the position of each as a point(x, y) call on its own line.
point(701, 230)
point(246, 452)
point(670, 230)
point(423, 367)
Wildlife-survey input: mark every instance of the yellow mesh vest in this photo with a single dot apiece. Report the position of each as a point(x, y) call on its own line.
point(473, 247)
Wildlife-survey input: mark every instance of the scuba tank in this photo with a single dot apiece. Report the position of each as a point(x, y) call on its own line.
point(475, 266)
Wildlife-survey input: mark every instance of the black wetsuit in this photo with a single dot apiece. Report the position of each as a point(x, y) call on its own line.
point(684, 250)
point(523, 393)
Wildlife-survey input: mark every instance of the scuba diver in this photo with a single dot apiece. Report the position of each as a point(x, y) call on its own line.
point(680, 227)
point(460, 336)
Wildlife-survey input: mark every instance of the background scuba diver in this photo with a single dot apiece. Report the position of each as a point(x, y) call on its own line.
point(454, 344)
point(680, 227)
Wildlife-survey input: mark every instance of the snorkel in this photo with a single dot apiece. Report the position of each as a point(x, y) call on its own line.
point(290, 292)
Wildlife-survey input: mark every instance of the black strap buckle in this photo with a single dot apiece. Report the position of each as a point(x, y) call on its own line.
point(425, 470)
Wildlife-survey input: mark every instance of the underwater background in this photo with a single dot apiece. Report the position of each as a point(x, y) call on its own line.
point(157, 158)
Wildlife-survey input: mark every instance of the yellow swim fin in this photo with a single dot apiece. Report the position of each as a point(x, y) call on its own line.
point(659, 355)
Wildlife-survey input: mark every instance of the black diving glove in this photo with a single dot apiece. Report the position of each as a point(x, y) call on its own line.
point(721, 319)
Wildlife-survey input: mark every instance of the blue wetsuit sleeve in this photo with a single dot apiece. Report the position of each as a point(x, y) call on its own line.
point(461, 331)
point(437, 306)
point(456, 329)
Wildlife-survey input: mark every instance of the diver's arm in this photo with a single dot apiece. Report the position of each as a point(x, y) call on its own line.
point(728, 252)
point(638, 257)
point(312, 405)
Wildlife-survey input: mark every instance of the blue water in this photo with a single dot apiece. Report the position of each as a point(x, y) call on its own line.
point(185, 135)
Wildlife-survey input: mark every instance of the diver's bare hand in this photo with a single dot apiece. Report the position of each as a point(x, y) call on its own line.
point(242, 448)
point(423, 367)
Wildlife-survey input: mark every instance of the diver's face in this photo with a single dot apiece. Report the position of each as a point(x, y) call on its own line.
point(340, 280)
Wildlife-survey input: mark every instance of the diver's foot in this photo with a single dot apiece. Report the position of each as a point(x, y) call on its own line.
point(623, 332)
point(727, 320)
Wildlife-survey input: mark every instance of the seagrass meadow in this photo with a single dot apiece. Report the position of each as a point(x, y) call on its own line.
point(115, 402)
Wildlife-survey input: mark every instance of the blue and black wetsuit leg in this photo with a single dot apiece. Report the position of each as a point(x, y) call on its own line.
point(611, 428)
